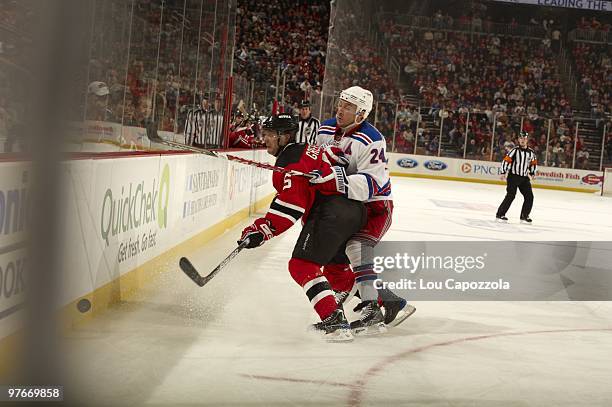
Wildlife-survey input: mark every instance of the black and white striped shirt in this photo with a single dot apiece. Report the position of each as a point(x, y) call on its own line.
point(307, 132)
point(193, 126)
point(520, 161)
point(203, 127)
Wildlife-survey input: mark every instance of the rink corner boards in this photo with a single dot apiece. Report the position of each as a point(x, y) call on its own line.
point(125, 286)
point(486, 181)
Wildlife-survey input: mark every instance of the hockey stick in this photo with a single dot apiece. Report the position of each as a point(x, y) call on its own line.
point(266, 166)
point(233, 158)
point(193, 274)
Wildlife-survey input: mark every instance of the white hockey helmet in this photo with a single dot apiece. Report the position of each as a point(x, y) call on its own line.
point(360, 97)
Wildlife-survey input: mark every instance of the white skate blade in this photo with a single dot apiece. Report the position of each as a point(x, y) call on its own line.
point(402, 315)
point(375, 329)
point(501, 220)
point(525, 222)
point(339, 335)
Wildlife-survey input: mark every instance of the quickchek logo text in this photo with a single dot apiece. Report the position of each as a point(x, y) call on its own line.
point(135, 205)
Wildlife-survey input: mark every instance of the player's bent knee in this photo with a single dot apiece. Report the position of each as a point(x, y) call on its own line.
point(337, 269)
point(340, 276)
point(303, 271)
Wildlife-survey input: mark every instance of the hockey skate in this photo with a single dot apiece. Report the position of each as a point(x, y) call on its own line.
point(371, 321)
point(526, 219)
point(396, 308)
point(501, 218)
point(334, 328)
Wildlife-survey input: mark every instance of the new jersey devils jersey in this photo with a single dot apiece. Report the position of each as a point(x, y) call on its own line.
point(295, 195)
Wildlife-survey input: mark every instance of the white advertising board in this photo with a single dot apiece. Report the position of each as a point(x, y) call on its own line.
point(13, 205)
point(491, 171)
point(122, 212)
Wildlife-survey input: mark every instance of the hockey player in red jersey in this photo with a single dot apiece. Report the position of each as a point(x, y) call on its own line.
point(244, 132)
point(242, 137)
point(329, 220)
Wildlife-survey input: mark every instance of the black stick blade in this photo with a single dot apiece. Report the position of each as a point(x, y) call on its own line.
point(193, 274)
point(191, 271)
point(207, 278)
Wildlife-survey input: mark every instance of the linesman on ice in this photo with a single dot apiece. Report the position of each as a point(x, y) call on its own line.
point(521, 164)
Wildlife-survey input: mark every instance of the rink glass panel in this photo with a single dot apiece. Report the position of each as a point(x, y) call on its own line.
point(156, 59)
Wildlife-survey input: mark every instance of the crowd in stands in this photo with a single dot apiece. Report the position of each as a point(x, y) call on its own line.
point(479, 16)
point(504, 82)
point(425, 129)
point(150, 63)
point(479, 22)
point(263, 45)
point(593, 23)
point(290, 35)
point(152, 79)
point(513, 76)
point(495, 79)
point(485, 84)
point(594, 66)
point(593, 29)
point(132, 79)
point(363, 65)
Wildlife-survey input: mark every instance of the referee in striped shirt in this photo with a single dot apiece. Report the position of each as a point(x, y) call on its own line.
point(308, 125)
point(196, 122)
point(520, 163)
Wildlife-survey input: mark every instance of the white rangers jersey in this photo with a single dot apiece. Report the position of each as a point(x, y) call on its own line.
point(366, 148)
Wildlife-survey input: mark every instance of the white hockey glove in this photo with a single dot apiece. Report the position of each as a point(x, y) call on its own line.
point(335, 181)
point(335, 156)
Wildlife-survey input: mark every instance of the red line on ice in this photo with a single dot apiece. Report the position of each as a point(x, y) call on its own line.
point(290, 379)
point(358, 387)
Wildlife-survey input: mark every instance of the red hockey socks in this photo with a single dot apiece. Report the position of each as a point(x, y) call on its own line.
point(308, 275)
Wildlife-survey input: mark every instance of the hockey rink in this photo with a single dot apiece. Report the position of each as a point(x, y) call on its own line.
point(241, 339)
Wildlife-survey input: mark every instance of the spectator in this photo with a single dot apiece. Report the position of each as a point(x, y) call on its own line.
point(97, 102)
point(582, 159)
point(556, 40)
point(476, 23)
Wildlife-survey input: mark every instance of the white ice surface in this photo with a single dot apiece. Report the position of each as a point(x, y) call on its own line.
point(241, 339)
